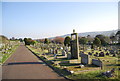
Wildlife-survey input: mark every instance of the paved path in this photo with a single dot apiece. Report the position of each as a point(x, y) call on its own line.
point(24, 65)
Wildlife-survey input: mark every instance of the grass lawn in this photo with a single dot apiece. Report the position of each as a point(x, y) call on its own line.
point(90, 75)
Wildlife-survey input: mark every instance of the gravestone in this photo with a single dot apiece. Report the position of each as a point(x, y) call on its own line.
point(74, 45)
point(85, 59)
point(89, 53)
point(112, 51)
point(97, 62)
point(114, 55)
point(56, 51)
point(51, 51)
point(68, 56)
point(107, 53)
point(81, 52)
point(55, 56)
point(63, 52)
point(81, 66)
point(101, 54)
point(96, 54)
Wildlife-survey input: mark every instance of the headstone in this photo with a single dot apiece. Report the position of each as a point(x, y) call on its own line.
point(117, 52)
point(81, 52)
point(112, 51)
point(55, 56)
point(95, 55)
point(74, 45)
point(92, 52)
point(68, 56)
point(71, 72)
point(61, 48)
point(63, 52)
point(89, 53)
point(81, 66)
point(85, 59)
point(114, 55)
point(107, 53)
point(51, 50)
point(97, 62)
point(101, 54)
point(56, 51)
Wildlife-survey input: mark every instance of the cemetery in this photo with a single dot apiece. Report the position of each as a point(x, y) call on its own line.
point(7, 49)
point(74, 62)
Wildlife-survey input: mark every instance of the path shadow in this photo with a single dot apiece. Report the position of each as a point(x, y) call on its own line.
point(17, 63)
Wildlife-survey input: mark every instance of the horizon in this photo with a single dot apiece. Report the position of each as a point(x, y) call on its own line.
point(51, 19)
point(59, 35)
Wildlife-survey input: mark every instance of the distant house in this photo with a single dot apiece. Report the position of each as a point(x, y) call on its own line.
point(118, 36)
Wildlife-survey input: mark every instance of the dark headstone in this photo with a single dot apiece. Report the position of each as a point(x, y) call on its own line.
point(100, 50)
point(119, 69)
point(107, 53)
point(101, 54)
point(89, 53)
point(96, 52)
point(56, 51)
point(114, 55)
point(112, 51)
point(95, 55)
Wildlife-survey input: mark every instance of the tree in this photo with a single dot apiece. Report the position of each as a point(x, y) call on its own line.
point(67, 41)
point(59, 40)
point(26, 41)
point(90, 39)
point(46, 41)
point(97, 41)
point(20, 39)
point(102, 39)
point(113, 39)
point(83, 41)
point(29, 41)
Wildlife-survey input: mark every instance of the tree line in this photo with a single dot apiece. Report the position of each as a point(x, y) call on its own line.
point(98, 40)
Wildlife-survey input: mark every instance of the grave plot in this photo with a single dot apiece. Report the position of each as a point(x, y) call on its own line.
point(7, 50)
point(81, 63)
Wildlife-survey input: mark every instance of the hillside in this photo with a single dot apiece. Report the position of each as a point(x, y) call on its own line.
point(93, 34)
point(3, 39)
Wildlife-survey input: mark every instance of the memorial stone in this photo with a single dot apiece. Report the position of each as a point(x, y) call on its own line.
point(89, 53)
point(101, 54)
point(63, 52)
point(97, 62)
point(68, 56)
point(55, 56)
point(74, 45)
point(107, 53)
point(85, 59)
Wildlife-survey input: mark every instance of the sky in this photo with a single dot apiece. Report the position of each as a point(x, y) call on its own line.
point(50, 19)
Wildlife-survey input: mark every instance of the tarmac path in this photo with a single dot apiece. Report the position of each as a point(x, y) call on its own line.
point(24, 65)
